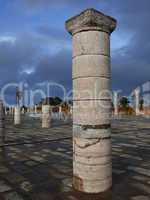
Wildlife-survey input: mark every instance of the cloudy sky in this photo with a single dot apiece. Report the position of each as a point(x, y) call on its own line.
point(36, 48)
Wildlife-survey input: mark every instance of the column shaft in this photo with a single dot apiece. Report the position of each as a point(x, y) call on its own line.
point(92, 165)
point(92, 154)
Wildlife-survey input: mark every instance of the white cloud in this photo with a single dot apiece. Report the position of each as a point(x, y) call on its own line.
point(10, 39)
point(120, 40)
point(27, 69)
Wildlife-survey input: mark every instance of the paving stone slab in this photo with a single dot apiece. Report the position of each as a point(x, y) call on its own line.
point(43, 171)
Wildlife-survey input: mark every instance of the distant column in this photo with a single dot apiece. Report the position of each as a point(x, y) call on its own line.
point(28, 110)
point(92, 164)
point(46, 116)
point(116, 110)
point(5, 110)
point(23, 110)
point(17, 115)
point(60, 112)
point(35, 109)
point(2, 122)
point(137, 101)
point(11, 110)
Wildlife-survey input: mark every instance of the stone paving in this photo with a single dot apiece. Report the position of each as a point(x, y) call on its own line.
point(36, 163)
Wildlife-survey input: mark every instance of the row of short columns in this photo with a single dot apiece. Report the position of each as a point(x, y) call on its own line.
point(17, 111)
point(46, 115)
point(137, 102)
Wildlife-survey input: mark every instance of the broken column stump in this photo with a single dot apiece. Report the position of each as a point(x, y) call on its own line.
point(46, 116)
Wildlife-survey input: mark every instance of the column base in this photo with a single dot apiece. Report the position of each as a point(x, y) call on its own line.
point(92, 187)
point(107, 194)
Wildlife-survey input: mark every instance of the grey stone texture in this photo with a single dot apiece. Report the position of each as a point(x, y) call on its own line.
point(91, 19)
point(92, 166)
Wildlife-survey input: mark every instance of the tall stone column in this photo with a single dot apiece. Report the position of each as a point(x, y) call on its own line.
point(116, 111)
point(137, 101)
point(92, 164)
point(46, 116)
point(2, 122)
point(17, 115)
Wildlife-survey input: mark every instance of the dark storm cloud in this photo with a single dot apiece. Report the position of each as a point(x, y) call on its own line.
point(55, 33)
point(131, 64)
point(15, 52)
point(24, 53)
point(56, 68)
point(28, 58)
point(46, 47)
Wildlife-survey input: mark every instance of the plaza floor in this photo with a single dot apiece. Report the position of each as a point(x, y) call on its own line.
point(36, 163)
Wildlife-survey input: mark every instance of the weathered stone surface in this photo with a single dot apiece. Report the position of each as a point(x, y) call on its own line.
point(91, 66)
point(92, 171)
point(92, 164)
point(140, 170)
point(92, 101)
point(140, 198)
point(12, 196)
point(91, 43)
point(46, 116)
point(92, 160)
point(137, 101)
point(92, 186)
point(26, 186)
point(93, 132)
point(91, 19)
point(4, 187)
point(96, 112)
point(91, 88)
point(142, 187)
point(91, 147)
point(17, 116)
point(130, 143)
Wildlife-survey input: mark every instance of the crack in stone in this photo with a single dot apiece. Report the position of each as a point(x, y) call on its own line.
point(88, 144)
point(101, 126)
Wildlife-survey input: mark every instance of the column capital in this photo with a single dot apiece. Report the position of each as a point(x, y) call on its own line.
point(91, 19)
